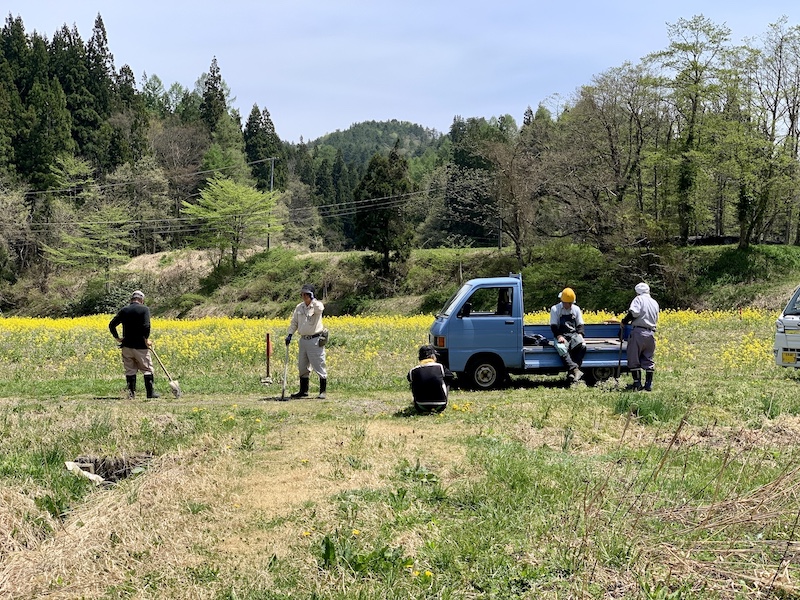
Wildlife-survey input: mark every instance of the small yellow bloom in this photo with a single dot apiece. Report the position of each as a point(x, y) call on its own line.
point(428, 574)
point(306, 533)
point(356, 532)
point(415, 573)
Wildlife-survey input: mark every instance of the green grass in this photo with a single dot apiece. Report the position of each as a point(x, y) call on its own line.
point(533, 491)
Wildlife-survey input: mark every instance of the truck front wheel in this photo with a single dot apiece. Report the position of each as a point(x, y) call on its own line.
point(485, 373)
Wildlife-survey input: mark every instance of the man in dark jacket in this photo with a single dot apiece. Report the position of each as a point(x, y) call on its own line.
point(135, 343)
point(430, 382)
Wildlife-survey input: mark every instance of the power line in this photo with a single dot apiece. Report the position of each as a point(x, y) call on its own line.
point(105, 186)
point(329, 210)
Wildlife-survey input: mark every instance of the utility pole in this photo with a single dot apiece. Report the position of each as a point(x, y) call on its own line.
point(271, 171)
point(499, 232)
point(272, 160)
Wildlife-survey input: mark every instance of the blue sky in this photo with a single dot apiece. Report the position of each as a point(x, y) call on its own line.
point(319, 65)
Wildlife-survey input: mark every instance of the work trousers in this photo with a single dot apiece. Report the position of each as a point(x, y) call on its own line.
point(574, 351)
point(641, 349)
point(135, 360)
point(311, 357)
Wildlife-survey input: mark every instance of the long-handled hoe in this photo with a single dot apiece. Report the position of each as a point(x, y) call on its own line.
point(173, 385)
point(285, 374)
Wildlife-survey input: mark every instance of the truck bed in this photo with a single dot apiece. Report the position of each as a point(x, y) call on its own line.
point(602, 347)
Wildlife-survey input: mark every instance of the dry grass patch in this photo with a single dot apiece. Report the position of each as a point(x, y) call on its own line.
point(153, 524)
point(210, 506)
point(22, 524)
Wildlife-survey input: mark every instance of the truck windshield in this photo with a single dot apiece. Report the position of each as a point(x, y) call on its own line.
point(793, 308)
point(455, 300)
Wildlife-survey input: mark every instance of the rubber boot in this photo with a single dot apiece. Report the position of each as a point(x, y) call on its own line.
point(148, 385)
point(131, 379)
point(648, 381)
point(637, 380)
point(323, 386)
point(303, 393)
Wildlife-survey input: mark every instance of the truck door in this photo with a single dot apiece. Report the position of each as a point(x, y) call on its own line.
point(490, 323)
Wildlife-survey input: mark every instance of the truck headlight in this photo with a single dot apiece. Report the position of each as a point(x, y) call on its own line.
point(779, 326)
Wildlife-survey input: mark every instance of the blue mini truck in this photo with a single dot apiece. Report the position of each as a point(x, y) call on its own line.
point(480, 335)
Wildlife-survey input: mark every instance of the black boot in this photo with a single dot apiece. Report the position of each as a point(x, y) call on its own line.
point(637, 380)
point(148, 385)
point(303, 393)
point(131, 379)
point(648, 381)
point(323, 386)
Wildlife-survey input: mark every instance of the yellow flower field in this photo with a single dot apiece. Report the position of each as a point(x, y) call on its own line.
point(366, 351)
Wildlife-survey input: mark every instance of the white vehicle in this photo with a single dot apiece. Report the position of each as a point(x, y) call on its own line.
point(787, 334)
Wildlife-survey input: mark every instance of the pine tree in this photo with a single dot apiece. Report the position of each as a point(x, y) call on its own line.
point(48, 135)
point(264, 150)
point(129, 126)
point(381, 224)
point(68, 63)
point(100, 67)
point(16, 49)
point(10, 110)
point(213, 104)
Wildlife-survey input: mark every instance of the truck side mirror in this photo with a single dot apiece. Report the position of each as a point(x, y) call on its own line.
point(466, 310)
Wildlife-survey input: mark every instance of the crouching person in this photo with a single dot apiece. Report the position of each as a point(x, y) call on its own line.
point(430, 382)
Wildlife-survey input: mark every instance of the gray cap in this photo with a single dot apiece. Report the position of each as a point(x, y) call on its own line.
point(307, 289)
point(137, 295)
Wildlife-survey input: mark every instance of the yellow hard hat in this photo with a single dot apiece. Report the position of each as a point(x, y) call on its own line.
point(568, 295)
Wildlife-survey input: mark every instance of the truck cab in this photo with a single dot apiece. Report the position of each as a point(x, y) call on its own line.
point(787, 334)
point(480, 335)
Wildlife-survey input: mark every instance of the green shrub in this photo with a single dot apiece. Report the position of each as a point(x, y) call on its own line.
point(97, 298)
point(187, 302)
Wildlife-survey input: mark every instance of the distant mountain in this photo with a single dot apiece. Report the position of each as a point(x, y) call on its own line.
point(361, 141)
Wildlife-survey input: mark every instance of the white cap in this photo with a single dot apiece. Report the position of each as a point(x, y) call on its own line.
point(642, 288)
point(137, 295)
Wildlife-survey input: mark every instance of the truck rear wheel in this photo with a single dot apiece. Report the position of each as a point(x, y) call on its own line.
point(598, 374)
point(485, 373)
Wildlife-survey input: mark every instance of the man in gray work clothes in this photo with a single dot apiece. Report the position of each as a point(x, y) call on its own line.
point(643, 316)
point(307, 322)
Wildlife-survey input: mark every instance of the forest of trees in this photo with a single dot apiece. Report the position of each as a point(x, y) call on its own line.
point(699, 140)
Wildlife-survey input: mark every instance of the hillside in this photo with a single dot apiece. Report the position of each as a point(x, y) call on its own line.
point(361, 141)
point(185, 284)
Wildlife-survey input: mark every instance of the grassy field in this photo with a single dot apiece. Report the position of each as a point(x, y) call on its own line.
point(534, 491)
